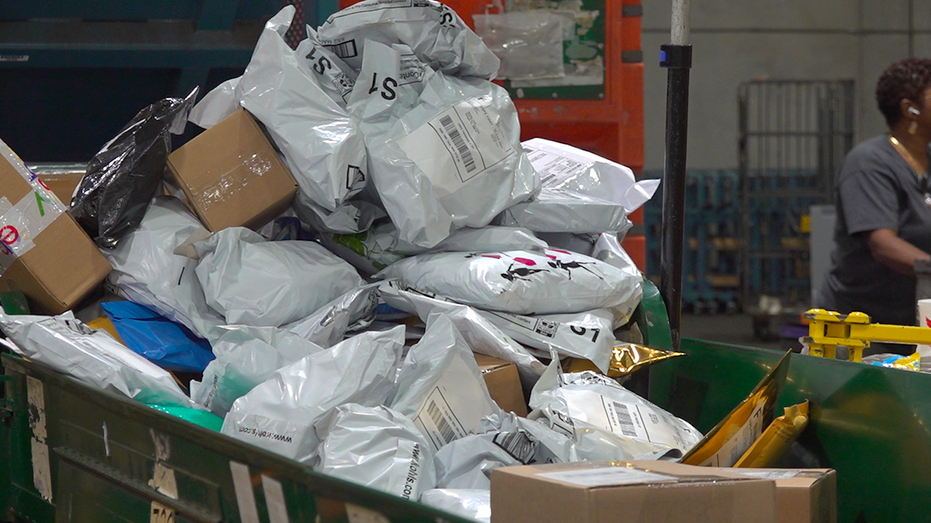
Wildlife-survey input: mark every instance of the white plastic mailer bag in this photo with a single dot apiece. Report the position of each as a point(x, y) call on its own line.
point(321, 145)
point(353, 311)
point(586, 335)
point(444, 152)
point(582, 192)
point(467, 462)
point(435, 33)
point(146, 270)
point(440, 386)
point(376, 447)
point(65, 344)
point(548, 445)
point(379, 247)
point(336, 77)
point(609, 250)
point(474, 504)
point(605, 420)
point(257, 282)
point(216, 105)
point(520, 282)
point(279, 414)
point(245, 357)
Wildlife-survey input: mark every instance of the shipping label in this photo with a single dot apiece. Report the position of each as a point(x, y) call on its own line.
point(458, 144)
point(743, 438)
point(605, 476)
point(554, 169)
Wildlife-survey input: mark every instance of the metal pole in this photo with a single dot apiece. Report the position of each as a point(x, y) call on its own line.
point(676, 57)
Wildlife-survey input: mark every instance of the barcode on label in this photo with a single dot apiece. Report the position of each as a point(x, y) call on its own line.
point(442, 424)
point(624, 420)
point(459, 143)
point(517, 444)
point(344, 50)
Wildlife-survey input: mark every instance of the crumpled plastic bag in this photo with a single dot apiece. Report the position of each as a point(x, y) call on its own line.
point(279, 414)
point(548, 445)
point(169, 345)
point(65, 344)
point(467, 462)
point(252, 281)
point(581, 192)
point(321, 145)
point(216, 105)
point(336, 77)
point(521, 282)
point(146, 270)
point(379, 247)
point(245, 357)
point(351, 312)
point(433, 31)
point(444, 152)
point(126, 173)
point(605, 420)
point(440, 386)
point(608, 249)
point(585, 335)
point(376, 447)
point(474, 504)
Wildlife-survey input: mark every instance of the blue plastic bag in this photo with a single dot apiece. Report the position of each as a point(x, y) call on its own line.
point(169, 345)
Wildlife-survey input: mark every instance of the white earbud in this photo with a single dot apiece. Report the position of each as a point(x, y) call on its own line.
point(914, 111)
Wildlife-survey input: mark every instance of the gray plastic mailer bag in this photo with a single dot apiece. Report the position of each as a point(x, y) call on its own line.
point(257, 282)
point(336, 77)
point(608, 249)
point(65, 344)
point(444, 152)
point(467, 462)
point(245, 357)
point(279, 414)
point(435, 33)
point(351, 312)
point(521, 282)
point(440, 387)
point(321, 145)
point(146, 270)
point(605, 420)
point(581, 193)
point(584, 335)
point(474, 504)
point(376, 447)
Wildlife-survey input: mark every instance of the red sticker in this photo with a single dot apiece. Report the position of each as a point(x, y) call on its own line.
point(495, 256)
point(562, 251)
point(9, 235)
point(928, 321)
point(525, 261)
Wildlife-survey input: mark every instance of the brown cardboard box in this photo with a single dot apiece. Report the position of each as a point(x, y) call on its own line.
point(232, 176)
point(631, 492)
point(802, 495)
point(62, 183)
point(55, 263)
point(503, 383)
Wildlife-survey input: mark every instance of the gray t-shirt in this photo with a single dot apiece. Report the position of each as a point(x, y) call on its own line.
point(875, 189)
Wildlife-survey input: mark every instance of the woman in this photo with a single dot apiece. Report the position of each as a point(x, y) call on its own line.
point(884, 205)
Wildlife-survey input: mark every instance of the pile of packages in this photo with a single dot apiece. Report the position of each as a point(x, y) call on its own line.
point(349, 259)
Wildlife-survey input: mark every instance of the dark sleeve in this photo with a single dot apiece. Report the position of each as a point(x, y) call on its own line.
point(869, 193)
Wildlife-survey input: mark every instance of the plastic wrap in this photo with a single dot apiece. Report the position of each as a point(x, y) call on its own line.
point(444, 152)
point(529, 43)
point(352, 311)
point(252, 281)
point(279, 413)
point(376, 447)
point(169, 345)
point(521, 282)
point(581, 192)
point(474, 504)
point(321, 145)
point(440, 386)
point(606, 421)
point(65, 344)
point(432, 30)
point(584, 335)
point(146, 270)
point(245, 357)
point(125, 174)
point(216, 105)
point(467, 462)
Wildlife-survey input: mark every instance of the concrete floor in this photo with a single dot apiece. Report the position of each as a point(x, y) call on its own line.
point(738, 329)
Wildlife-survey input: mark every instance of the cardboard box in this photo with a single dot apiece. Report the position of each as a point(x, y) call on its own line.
point(503, 383)
point(628, 492)
point(62, 182)
point(232, 175)
point(44, 253)
point(802, 495)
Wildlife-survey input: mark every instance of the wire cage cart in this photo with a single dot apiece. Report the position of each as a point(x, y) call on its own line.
point(793, 135)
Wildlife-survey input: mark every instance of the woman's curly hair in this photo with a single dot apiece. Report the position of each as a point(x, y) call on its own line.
point(907, 79)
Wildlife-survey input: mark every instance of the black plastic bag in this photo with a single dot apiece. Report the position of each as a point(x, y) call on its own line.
point(123, 177)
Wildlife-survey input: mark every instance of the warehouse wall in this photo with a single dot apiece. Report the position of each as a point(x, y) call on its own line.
point(738, 40)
